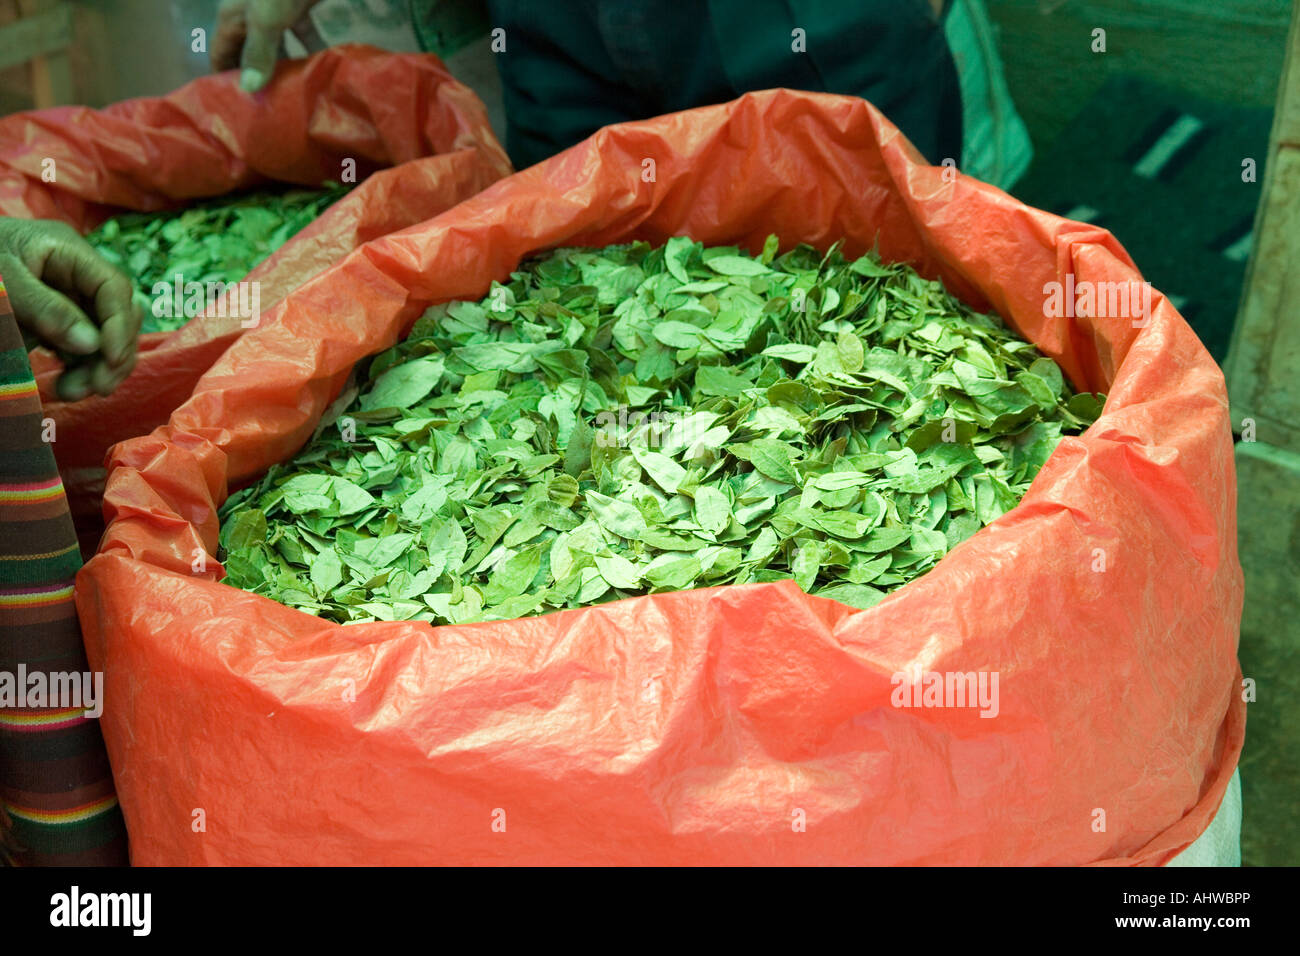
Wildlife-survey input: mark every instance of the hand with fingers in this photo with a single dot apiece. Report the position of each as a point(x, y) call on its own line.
point(67, 298)
point(248, 36)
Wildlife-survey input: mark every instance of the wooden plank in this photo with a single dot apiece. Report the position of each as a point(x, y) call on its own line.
point(1286, 121)
point(1263, 366)
point(51, 68)
point(1268, 488)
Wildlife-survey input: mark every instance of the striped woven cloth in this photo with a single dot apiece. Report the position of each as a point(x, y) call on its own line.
point(57, 804)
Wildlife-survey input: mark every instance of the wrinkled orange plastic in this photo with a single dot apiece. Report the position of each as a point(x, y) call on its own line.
point(207, 139)
point(719, 726)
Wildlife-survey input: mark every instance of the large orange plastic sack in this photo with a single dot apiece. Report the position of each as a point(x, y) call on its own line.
point(208, 138)
point(726, 725)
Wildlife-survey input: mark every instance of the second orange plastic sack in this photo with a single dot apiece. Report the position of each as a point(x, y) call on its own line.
point(728, 725)
point(209, 138)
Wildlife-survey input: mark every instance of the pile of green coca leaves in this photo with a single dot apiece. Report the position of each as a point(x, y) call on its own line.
point(633, 420)
point(217, 241)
